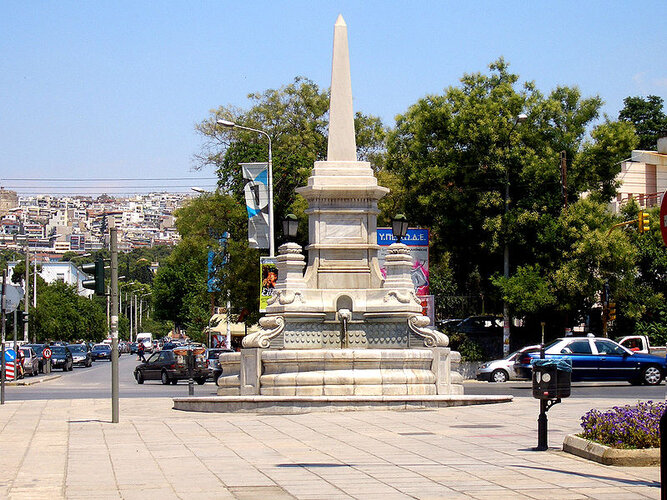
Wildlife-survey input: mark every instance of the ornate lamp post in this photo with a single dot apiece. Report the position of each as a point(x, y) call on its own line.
point(399, 227)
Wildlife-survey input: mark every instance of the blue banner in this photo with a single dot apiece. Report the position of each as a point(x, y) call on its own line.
point(414, 237)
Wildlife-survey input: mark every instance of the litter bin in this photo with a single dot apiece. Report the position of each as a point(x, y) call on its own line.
point(552, 378)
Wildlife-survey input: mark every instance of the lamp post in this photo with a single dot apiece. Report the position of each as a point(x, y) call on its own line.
point(399, 227)
point(230, 124)
point(290, 226)
point(506, 253)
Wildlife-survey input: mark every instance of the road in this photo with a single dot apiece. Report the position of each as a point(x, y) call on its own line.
point(95, 382)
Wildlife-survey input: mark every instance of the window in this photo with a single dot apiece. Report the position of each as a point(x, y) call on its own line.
point(578, 347)
point(606, 347)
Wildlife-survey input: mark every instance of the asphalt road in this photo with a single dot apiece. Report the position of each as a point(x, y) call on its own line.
point(95, 382)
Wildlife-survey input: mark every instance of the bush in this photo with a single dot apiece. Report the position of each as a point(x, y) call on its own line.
point(469, 349)
point(625, 426)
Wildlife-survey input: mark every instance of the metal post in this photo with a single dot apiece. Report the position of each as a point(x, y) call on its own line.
point(114, 320)
point(136, 325)
point(663, 455)
point(26, 299)
point(2, 350)
point(542, 444)
point(129, 305)
point(191, 382)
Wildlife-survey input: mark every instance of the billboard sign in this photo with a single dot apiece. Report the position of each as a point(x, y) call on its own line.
point(256, 190)
point(417, 241)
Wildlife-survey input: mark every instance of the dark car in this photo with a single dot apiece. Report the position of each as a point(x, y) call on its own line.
point(171, 345)
point(213, 359)
point(61, 357)
point(81, 356)
point(38, 348)
point(170, 366)
point(596, 358)
point(101, 351)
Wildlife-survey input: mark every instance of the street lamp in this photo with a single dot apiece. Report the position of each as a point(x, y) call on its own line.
point(399, 227)
point(522, 117)
point(290, 226)
point(230, 124)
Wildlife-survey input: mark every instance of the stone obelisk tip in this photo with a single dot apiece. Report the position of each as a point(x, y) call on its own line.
point(342, 145)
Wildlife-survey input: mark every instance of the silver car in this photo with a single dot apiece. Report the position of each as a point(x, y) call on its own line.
point(30, 361)
point(502, 370)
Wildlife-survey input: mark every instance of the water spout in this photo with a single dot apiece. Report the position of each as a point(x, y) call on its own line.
point(344, 315)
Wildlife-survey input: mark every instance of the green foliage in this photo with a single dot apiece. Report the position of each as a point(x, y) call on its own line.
point(648, 118)
point(295, 116)
point(527, 291)
point(62, 314)
point(468, 348)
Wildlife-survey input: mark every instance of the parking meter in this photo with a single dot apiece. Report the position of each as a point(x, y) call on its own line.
point(552, 380)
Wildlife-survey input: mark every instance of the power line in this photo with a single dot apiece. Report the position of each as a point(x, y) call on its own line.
point(110, 179)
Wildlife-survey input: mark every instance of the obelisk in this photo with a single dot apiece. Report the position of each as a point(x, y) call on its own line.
point(342, 144)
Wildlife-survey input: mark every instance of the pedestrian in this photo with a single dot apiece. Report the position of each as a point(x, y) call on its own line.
point(140, 352)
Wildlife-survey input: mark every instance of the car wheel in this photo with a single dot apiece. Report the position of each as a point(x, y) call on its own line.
point(499, 376)
point(140, 378)
point(174, 381)
point(200, 381)
point(651, 375)
point(635, 381)
point(165, 378)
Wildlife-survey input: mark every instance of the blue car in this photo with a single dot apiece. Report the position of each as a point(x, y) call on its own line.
point(595, 358)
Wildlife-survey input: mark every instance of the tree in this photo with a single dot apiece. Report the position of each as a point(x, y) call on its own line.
point(296, 118)
point(648, 118)
point(62, 314)
point(456, 153)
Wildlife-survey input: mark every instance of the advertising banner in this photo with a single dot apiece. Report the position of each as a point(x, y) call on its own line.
point(256, 190)
point(268, 275)
point(417, 241)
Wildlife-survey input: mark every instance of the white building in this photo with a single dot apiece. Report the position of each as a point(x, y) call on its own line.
point(60, 271)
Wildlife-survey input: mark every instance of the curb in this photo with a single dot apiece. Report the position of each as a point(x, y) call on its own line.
point(33, 381)
point(607, 455)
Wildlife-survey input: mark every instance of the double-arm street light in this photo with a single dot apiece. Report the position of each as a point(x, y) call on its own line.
point(230, 124)
point(506, 254)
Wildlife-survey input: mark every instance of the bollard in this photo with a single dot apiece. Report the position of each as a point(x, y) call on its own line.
point(191, 382)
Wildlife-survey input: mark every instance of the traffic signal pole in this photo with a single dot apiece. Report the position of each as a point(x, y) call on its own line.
point(114, 320)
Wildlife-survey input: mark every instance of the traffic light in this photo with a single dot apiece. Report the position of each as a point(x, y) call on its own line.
point(644, 224)
point(21, 318)
point(97, 270)
point(612, 311)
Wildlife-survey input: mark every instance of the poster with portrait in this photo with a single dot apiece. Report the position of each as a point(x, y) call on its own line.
point(268, 276)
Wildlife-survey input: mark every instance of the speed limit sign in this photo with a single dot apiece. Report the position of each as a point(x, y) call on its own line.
point(46, 353)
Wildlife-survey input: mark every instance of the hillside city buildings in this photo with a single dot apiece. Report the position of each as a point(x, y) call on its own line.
point(52, 225)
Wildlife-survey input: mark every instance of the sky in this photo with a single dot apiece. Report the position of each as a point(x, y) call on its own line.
point(103, 91)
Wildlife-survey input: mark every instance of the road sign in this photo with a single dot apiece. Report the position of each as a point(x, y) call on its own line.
point(46, 353)
point(10, 356)
point(663, 218)
point(13, 295)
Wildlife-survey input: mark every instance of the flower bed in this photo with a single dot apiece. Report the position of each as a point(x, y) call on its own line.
point(628, 427)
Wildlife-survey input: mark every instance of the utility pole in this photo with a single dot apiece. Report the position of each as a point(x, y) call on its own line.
point(26, 299)
point(3, 365)
point(114, 320)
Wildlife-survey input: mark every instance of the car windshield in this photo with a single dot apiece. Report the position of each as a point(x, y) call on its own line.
point(77, 348)
point(57, 349)
point(213, 354)
point(38, 349)
point(101, 347)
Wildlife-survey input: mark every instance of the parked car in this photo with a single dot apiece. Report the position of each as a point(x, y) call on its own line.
point(596, 358)
point(171, 345)
point(30, 361)
point(640, 343)
point(39, 349)
point(170, 367)
point(81, 356)
point(101, 351)
point(213, 360)
point(133, 347)
point(61, 357)
point(502, 370)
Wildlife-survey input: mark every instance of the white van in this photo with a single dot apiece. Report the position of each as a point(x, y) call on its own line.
point(146, 339)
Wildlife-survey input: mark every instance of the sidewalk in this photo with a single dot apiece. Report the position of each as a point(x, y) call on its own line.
point(68, 449)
